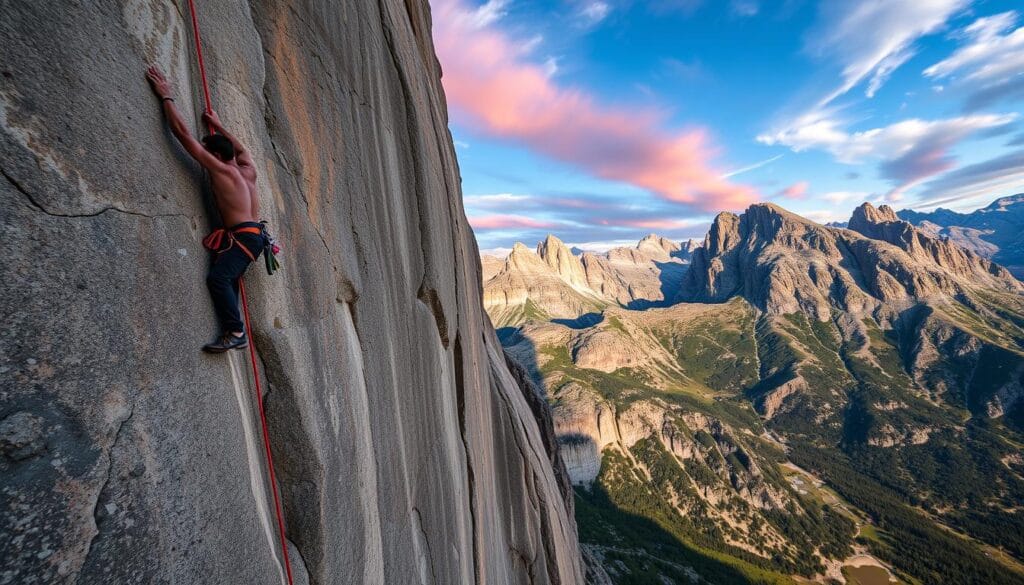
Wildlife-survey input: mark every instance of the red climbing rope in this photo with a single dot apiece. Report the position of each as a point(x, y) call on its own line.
point(248, 327)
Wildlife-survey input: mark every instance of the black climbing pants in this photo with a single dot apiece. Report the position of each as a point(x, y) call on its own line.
point(228, 267)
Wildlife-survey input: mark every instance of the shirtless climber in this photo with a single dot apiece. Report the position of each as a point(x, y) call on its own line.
point(233, 177)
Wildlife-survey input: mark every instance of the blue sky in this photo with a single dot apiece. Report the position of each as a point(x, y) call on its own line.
point(603, 120)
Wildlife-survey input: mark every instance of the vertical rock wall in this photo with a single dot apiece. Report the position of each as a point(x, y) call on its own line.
point(405, 450)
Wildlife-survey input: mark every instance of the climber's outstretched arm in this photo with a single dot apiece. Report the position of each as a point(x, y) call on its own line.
point(162, 88)
point(242, 156)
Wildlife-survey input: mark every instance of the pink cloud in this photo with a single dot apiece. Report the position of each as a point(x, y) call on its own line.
point(795, 191)
point(497, 222)
point(652, 224)
point(494, 89)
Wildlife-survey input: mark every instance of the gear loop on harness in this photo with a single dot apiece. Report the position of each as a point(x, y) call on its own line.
point(248, 326)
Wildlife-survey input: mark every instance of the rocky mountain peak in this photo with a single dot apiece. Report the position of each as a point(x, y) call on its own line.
point(723, 234)
point(1003, 203)
point(883, 224)
point(550, 244)
point(784, 263)
point(993, 232)
point(559, 258)
point(657, 246)
point(524, 260)
point(867, 214)
point(519, 247)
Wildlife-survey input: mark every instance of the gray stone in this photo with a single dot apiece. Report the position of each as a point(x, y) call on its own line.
point(21, 436)
point(405, 451)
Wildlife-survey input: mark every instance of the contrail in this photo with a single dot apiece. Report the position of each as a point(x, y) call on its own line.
point(756, 165)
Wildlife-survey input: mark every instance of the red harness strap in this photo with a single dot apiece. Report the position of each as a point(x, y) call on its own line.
point(215, 241)
point(248, 326)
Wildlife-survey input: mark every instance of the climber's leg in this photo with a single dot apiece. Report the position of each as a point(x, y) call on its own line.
point(222, 281)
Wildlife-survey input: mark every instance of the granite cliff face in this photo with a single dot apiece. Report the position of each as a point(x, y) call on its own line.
point(405, 450)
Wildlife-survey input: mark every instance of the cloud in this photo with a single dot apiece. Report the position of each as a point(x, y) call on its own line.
point(603, 245)
point(500, 218)
point(838, 197)
point(504, 221)
point(998, 176)
point(751, 167)
point(870, 39)
point(795, 191)
point(990, 62)
point(487, 13)
point(824, 216)
point(745, 8)
point(887, 142)
point(594, 12)
point(498, 200)
point(989, 54)
point(655, 223)
point(495, 90)
point(908, 151)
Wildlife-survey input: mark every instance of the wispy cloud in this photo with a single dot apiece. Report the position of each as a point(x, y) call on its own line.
point(495, 200)
point(495, 89)
point(745, 8)
point(503, 221)
point(871, 39)
point(752, 167)
point(839, 197)
point(824, 216)
point(665, 224)
point(990, 63)
point(1002, 175)
point(500, 216)
point(908, 151)
point(797, 190)
point(593, 12)
point(485, 14)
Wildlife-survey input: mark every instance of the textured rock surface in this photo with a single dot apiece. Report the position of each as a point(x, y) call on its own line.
point(567, 266)
point(783, 263)
point(405, 450)
point(883, 224)
point(490, 266)
point(555, 283)
point(527, 287)
point(995, 231)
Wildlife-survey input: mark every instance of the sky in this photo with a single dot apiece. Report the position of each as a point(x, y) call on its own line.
point(604, 120)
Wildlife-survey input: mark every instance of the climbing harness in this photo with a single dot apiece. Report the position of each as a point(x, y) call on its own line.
point(215, 243)
point(248, 327)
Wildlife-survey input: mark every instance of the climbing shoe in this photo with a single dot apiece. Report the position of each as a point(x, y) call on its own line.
point(226, 342)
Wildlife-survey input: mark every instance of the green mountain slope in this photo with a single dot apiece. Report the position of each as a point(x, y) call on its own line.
point(771, 436)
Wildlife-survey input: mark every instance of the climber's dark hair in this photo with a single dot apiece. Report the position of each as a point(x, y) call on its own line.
point(220, 146)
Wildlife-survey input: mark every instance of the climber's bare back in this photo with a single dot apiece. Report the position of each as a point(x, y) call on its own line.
point(232, 171)
point(234, 191)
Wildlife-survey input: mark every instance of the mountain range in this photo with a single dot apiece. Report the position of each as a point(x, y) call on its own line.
point(995, 231)
point(782, 401)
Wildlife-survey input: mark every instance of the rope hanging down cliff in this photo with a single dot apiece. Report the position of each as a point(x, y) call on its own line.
point(248, 326)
